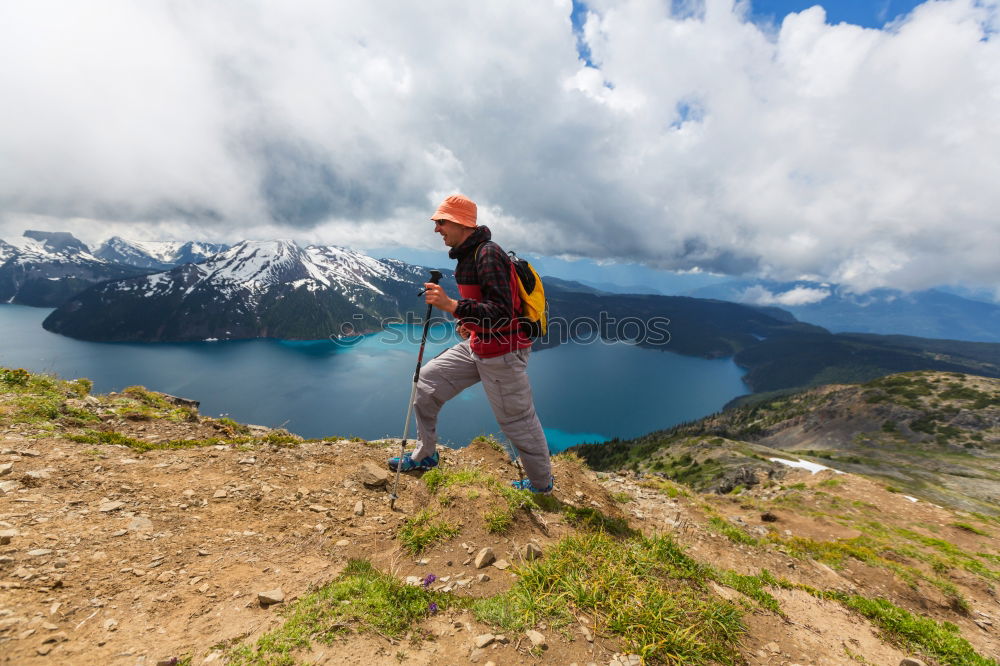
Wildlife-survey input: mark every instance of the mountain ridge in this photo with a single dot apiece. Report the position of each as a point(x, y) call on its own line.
point(43, 268)
point(253, 289)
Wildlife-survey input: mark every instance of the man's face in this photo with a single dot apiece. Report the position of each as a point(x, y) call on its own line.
point(453, 233)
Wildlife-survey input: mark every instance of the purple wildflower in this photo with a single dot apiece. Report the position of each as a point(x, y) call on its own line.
point(428, 579)
point(432, 608)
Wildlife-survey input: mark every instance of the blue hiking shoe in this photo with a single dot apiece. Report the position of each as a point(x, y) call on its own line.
point(409, 464)
point(526, 484)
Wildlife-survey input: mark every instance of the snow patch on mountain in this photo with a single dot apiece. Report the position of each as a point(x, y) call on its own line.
point(250, 268)
point(6, 251)
point(156, 254)
point(39, 247)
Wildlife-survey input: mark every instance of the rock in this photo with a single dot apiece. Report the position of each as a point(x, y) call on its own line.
point(485, 557)
point(10, 486)
point(768, 517)
point(43, 649)
point(501, 564)
point(318, 508)
point(38, 474)
point(414, 580)
point(476, 655)
point(108, 507)
point(531, 551)
point(220, 494)
point(772, 647)
point(483, 640)
point(60, 637)
point(587, 633)
point(910, 661)
point(626, 660)
point(6, 536)
point(275, 596)
point(482, 578)
point(343, 542)
point(39, 552)
point(248, 461)
point(372, 476)
point(537, 639)
point(6, 468)
point(140, 524)
point(111, 624)
point(359, 508)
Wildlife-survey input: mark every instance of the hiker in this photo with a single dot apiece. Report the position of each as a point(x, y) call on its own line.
point(494, 350)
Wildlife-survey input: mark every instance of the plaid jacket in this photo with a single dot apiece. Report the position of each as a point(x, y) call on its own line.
point(489, 305)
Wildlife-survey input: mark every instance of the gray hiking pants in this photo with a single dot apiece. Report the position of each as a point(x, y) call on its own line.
point(505, 380)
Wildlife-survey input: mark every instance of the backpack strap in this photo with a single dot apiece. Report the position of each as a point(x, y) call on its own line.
point(515, 294)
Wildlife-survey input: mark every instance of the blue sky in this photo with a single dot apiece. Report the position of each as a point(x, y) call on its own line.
point(866, 13)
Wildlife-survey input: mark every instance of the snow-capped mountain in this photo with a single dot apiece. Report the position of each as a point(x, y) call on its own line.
point(254, 289)
point(158, 255)
point(44, 268)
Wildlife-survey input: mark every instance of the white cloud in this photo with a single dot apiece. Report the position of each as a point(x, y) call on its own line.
point(760, 295)
point(701, 140)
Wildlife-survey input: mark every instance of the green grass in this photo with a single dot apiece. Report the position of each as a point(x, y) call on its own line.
point(668, 488)
point(439, 479)
point(588, 518)
point(361, 599)
point(907, 631)
point(942, 640)
point(753, 587)
point(232, 427)
point(971, 528)
point(116, 438)
point(731, 532)
point(507, 500)
point(645, 592)
point(421, 531)
point(146, 397)
point(492, 440)
point(498, 520)
point(40, 400)
point(621, 498)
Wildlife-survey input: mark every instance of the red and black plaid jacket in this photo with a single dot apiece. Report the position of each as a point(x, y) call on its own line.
point(489, 301)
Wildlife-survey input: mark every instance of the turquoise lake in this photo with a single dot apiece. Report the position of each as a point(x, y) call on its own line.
point(583, 392)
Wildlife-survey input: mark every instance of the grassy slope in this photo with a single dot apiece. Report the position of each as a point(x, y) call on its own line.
point(934, 435)
point(644, 592)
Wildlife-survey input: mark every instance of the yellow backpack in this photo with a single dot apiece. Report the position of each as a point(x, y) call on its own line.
point(534, 309)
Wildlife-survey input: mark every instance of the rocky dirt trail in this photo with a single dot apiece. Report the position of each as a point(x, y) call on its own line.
point(115, 556)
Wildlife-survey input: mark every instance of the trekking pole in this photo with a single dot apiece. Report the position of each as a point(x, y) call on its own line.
point(435, 278)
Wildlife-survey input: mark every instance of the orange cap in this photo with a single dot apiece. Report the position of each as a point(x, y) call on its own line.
point(459, 209)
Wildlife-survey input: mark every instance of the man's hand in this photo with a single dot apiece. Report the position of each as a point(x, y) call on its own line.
point(463, 332)
point(436, 296)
